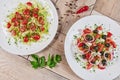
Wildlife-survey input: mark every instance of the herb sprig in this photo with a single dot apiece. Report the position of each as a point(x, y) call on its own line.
point(41, 62)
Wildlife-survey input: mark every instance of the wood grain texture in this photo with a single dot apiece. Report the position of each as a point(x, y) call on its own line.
point(15, 68)
point(67, 18)
point(54, 1)
point(62, 68)
point(110, 8)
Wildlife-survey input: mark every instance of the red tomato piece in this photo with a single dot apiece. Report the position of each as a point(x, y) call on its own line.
point(8, 25)
point(101, 47)
point(23, 29)
point(26, 39)
point(96, 57)
point(33, 28)
point(78, 40)
point(80, 44)
point(35, 15)
point(35, 10)
point(13, 32)
point(24, 22)
point(36, 37)
point(40, 18)
point(106, 48)
point(18, 15)
point(113, 44)
point(87, 30)
point(26, 12)
point(41, 21)
point(97, 36)
point(13, 19)
point(29, 3)
point(99, 28)
point(101, 67)
point(109, 34)
point(91, 47)
point(16, 23)
point(110, 57)
point(108, 40)
point(27, 17)
point(89, 66)
point(88, 55)
point(42, 28)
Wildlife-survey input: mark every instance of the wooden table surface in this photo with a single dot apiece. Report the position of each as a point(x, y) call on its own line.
point(13, 67)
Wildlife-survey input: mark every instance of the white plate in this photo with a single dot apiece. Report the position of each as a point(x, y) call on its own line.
point(110, 72)
point(6, 8)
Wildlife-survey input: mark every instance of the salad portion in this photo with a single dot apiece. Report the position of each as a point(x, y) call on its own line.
point(95, 47)
point(28, 23)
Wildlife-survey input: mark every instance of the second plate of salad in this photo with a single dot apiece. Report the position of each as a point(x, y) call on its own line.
point(92, 48)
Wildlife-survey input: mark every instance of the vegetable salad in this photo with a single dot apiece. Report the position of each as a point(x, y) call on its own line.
point(28, 23)
point(95, 47)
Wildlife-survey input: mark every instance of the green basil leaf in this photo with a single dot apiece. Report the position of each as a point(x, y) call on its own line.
point(52, 62)
point(49, 60)
point(34, 64)
point(35, 57)
point(42, 62)
point(57, 58)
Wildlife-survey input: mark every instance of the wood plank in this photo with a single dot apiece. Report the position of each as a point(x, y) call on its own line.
point(15, 68)
point(54, 1)
point(109, 8)
point(57, 47)
point(72, 5)
point(97, 13)
point(62, 68)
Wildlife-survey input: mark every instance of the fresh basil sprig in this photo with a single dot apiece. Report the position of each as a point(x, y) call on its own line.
point(41, 62)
